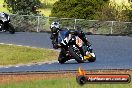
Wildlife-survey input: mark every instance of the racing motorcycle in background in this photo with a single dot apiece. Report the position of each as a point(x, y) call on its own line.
point(5, 24)
point(55, 30)
point(72, 47)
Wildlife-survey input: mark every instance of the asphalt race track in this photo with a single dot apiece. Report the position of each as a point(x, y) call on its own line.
point(113, 52)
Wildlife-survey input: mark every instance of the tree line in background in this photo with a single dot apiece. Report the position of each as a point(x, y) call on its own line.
point(23, 7)
point(81, 9)
point(85, 9)
point(92, 10)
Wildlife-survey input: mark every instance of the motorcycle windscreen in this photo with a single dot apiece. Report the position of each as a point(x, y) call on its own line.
point(62, 35)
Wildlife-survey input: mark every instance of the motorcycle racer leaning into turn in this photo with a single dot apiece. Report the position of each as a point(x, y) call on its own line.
point(5, 23)
point(55, 28)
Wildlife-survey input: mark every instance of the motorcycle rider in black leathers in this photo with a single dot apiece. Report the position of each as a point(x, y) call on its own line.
point(55, 28)
point(3, 17)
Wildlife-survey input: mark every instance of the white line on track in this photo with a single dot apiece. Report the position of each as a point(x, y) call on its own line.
point(30, 64)
point(17, 66)
point(26, 46)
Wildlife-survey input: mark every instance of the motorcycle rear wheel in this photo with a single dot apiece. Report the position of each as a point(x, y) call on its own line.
point(92, 59)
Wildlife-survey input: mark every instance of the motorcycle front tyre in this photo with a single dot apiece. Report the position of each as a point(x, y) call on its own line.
point(11, 29)
point(74, 55)
point(62, 57)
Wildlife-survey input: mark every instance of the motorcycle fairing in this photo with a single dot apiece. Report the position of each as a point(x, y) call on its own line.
point(63, 37)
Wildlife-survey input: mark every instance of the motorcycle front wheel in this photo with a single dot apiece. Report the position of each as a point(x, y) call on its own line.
point(76, 54)
point(62, 57)
point(11, 29)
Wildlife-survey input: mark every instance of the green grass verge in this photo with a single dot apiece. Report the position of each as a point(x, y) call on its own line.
point(19, 54)
point(60, 83)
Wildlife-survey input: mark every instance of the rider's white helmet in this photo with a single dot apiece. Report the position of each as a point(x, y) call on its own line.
point(2, 14)
point(4, 17)
point(55, 24)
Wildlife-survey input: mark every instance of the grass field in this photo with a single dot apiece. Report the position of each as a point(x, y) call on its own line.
point(45, 11)
point(2, 9)
point(49, 1)
point(19, 55)
point(60, 83)
point(61, 79)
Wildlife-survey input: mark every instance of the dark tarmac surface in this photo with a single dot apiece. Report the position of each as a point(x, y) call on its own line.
point(112, 52)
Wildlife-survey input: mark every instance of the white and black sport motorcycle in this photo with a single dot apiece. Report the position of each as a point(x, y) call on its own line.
point(72, 47)
point(5, 24)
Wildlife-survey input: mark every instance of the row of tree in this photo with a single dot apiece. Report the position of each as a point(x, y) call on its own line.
point(23, 6)
point(82, 9)
point(91, 9)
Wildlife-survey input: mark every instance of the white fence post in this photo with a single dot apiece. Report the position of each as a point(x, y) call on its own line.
point(38, 18)
point(111, 29)
point(75, 23)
